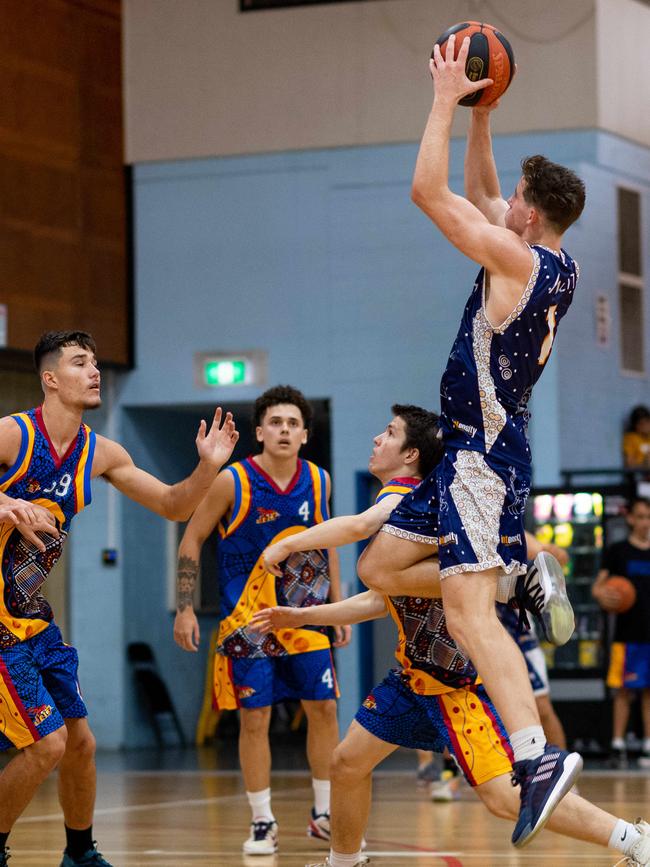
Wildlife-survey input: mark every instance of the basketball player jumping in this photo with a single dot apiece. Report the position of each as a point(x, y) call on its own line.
point(432, 701)
point(48, 458)
point(523, 290)
point(255, 502)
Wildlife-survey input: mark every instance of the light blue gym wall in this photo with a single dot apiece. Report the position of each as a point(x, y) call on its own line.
point(321, 259)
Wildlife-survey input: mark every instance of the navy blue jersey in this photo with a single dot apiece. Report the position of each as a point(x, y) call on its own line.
point(491, 372)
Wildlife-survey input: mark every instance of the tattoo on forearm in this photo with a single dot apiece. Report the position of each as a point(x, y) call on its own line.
point(187, 573)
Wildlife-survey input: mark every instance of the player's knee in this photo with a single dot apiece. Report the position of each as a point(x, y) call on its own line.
point(344, 768)
point(372, 571)
point(82, 746)
point(255, 721)
point(321, 712)
point(45, 754)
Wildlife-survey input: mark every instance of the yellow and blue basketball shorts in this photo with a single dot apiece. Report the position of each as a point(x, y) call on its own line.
point(261, 681)
point(464, 721)
point(38, 688)
point(629, 666)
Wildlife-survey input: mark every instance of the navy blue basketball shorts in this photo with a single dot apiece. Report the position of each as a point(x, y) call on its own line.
point(481, 520)
point(416, 517)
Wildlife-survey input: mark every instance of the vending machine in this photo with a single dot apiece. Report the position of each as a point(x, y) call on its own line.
point(582, 521)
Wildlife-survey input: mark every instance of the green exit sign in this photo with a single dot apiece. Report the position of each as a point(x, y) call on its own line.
point(225, 371)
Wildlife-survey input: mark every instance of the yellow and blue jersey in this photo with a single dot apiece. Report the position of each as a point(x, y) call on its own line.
point(61, 485)
point(491, 371)
point(430, 660)
point(262, 514)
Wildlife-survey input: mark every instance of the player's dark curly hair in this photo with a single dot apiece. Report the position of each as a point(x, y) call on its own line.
point(282, 394)
point(422, 429)
point(557, 191)
point(54, 341)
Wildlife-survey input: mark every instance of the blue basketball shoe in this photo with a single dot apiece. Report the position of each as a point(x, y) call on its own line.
point(544, 782)
point(542, 592)
point(91, 858)
point(4, 857)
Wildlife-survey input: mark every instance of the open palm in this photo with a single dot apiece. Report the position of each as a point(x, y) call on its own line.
point(216, 445)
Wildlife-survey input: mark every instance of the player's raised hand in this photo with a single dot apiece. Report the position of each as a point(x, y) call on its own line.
point(273, 556)
point(216, 445)
point(449, 77)
point(279, 617)
point(187, 633)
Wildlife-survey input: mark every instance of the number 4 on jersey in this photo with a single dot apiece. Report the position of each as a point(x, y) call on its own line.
point(303, 511)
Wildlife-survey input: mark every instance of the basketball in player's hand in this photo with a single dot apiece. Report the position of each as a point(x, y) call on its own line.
point(626, 592)
point(490, 56)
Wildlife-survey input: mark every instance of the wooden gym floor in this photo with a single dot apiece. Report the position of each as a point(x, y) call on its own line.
point(175, 817)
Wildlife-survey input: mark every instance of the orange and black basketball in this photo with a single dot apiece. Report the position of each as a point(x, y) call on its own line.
point(626, 593)
point(490, 56)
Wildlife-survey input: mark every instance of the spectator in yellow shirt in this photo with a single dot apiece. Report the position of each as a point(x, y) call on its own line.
point(636, 440)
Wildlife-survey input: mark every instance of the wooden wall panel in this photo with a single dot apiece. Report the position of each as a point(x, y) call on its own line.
point(63, 238)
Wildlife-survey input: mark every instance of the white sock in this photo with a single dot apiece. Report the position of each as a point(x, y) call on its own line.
point(618, 743)
point(321, 795)
point(646, 745)
point(624, 836)
point(338, 860)
point(506, 587)
point(528, 743)
point(260, 803)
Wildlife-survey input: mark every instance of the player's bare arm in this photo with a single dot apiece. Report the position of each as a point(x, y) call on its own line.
point(501, 251)
point(174, 502)
point(342, 633)
point(342, 530)
point(210, 511)
point(482, 187)
point(357, 609)
point(29, 518)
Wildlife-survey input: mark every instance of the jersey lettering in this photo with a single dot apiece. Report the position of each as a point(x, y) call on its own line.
point(303, 511)
point(59, 487)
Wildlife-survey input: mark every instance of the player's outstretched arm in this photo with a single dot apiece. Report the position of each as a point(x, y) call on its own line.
point(482, 186)
point(175, 502)
point(501, 251)
point(215, 505)
point(357, 609)
point(342, 530)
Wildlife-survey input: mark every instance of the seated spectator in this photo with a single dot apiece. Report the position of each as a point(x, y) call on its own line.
point(636, 440)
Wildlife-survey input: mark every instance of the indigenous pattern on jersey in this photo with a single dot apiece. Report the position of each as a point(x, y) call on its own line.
point(431, 661)
point(61, 485)
point(259, 682)
point(38, 688)
point(481, 519)
point(262, 514)
point(464, 721)
point(415, 518)
point(491, 371)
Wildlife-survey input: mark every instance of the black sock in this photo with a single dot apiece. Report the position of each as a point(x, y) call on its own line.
point(3, 839)
point(78, 842)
